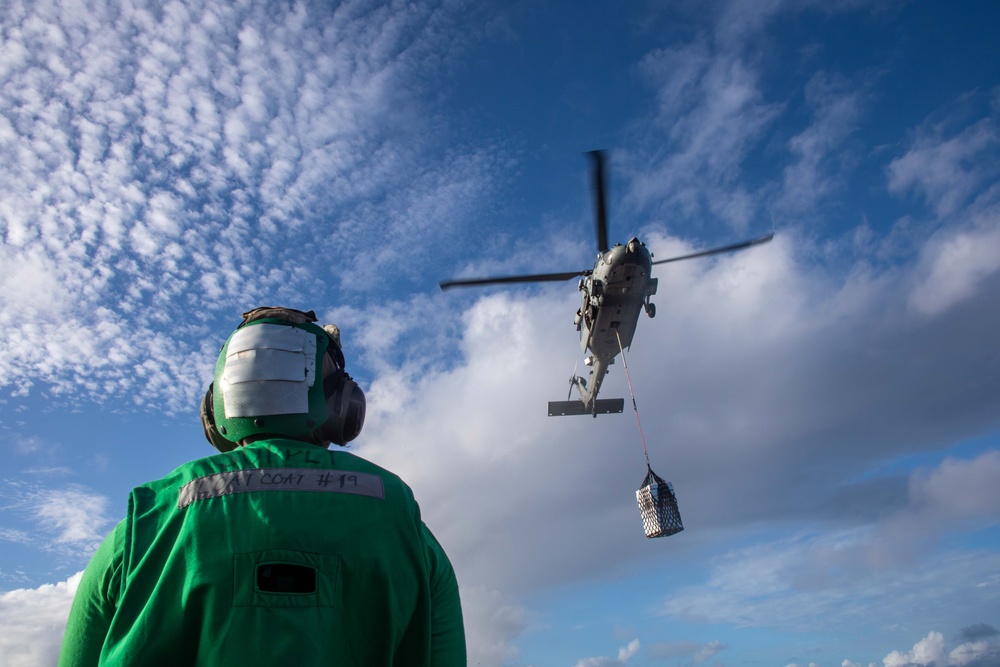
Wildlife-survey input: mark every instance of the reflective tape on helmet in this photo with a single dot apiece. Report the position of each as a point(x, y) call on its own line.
point(269, 369)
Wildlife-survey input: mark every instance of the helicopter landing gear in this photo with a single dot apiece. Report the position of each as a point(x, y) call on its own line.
point(650, 309)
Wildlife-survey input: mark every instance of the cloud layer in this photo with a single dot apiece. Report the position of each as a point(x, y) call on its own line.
point(163, 164)
point(33, 621)
point(163, 167)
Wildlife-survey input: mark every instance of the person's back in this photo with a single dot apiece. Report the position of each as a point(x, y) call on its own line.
point(278, 549)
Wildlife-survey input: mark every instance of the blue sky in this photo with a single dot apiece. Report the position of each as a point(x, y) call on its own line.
point(826, 406)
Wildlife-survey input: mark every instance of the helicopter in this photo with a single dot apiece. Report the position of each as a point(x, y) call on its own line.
point(614, 292)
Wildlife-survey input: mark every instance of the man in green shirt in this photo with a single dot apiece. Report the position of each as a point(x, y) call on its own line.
point(277, 548)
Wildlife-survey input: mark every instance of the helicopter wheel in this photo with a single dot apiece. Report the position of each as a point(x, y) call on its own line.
point(651, 310)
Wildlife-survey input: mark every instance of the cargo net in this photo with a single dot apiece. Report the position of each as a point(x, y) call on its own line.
point(658, 505)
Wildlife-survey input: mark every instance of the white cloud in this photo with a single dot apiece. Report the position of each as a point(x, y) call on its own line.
point(32, 622)
point(955, 263)
point(959, 491)
point(714, 112)
point(810, 177)
point(14, 535)
point(953, 164)
point(492, 624)
point(707, 651)
point(932, 651)
point(928, 651)
point(711, 114)
point(625, 653)
point(959, 495)
point(772, 583)
point(946, 170)
point(972, 653)
point(70, 520)
point(159, 167)
point(74, 515)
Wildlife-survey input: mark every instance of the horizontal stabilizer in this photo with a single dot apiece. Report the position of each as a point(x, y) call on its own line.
point(603, 406)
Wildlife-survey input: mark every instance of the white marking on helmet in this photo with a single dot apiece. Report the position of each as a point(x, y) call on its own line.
point(269, 369)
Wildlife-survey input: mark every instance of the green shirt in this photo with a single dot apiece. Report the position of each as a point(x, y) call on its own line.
point(279, 550)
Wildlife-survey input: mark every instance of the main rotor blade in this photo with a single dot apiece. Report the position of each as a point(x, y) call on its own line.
point(537, 278)
point(600, 206)
point(716, 251)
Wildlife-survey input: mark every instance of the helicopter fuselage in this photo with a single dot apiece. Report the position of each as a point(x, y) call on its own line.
point(614, 293)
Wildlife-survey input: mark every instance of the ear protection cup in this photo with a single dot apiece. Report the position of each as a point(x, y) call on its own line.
point(208, 424)
point(345, 406)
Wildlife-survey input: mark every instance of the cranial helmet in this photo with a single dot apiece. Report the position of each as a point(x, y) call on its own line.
point(281, 375)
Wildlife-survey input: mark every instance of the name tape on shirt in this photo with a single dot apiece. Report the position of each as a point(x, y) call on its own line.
point(281, 479)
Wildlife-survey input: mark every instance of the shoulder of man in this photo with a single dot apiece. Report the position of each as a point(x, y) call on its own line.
point(257, 456)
